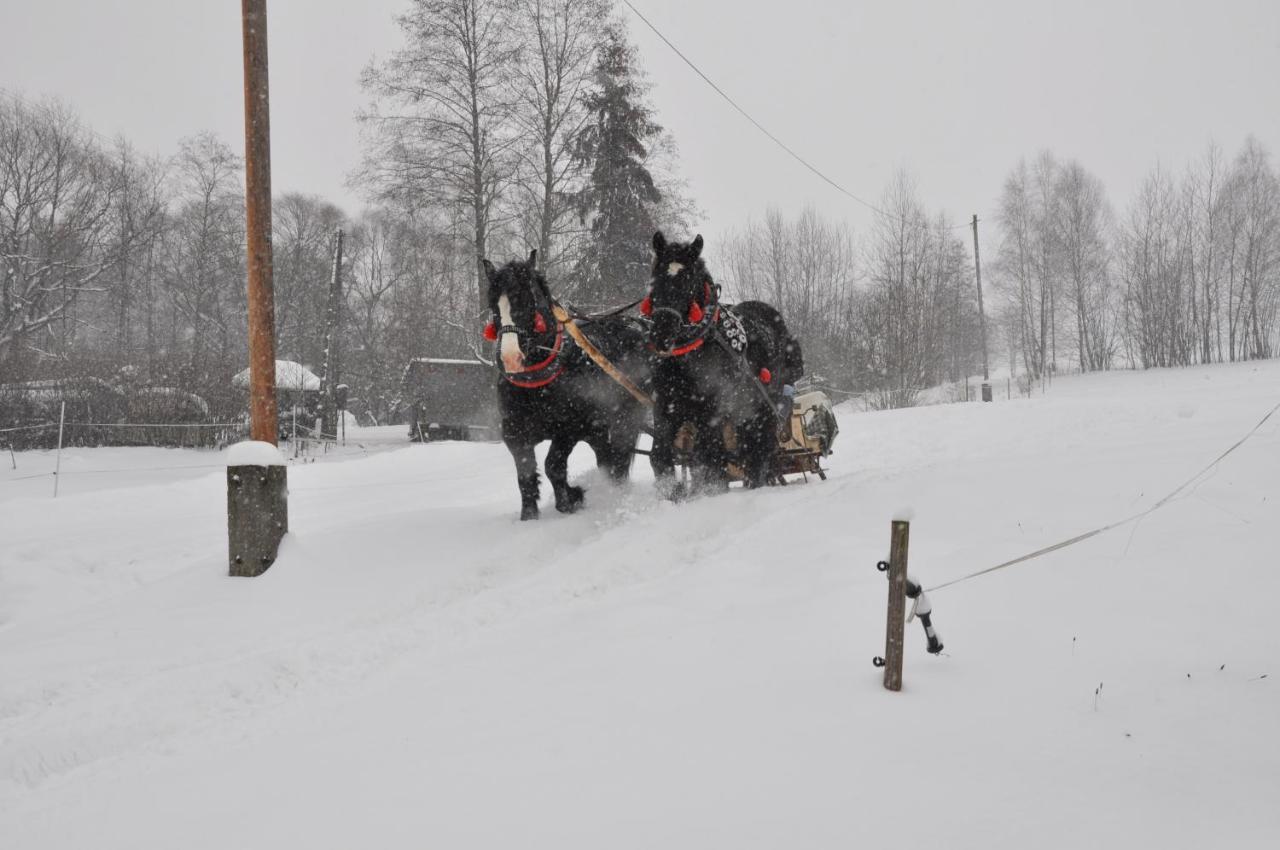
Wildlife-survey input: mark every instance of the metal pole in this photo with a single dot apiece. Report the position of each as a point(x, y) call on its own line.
point(982, 315)
point(257, 169)
point(57, 466)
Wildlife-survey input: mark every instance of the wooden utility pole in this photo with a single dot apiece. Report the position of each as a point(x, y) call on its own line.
point(257, 486)
point(257, 171)
point(896, 622)
point(982, 315)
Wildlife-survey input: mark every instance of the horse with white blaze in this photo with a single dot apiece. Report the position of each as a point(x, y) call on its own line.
point(550, 390)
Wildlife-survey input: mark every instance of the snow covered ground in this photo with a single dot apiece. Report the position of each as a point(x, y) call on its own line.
point(419, 668)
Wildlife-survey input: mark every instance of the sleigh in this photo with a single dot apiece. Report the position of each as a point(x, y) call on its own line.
point(803, 442)
point(811, 430)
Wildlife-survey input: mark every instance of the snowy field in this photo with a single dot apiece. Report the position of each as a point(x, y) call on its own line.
point(421, 669)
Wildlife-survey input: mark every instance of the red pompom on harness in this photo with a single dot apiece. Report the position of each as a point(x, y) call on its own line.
point(765, 375)
point(491, 331)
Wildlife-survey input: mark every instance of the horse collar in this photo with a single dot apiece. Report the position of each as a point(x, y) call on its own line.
point(697, 333)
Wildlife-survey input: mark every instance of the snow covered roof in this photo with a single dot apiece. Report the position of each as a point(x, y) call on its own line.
point(289, 376)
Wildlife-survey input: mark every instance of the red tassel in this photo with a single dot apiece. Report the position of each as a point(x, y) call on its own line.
point(491, 332)
point(695, 313)
point(646, 306)
point(765, 375)
point(539, 323)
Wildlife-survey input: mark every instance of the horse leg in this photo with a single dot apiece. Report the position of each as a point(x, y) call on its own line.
point(613, 452)
point(622, 447)
point(758, 447)
point(526, 478)
point(710, 457)
point(662, 455)
point(568, 498)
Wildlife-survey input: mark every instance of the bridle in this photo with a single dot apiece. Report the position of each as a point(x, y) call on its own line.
point(696, 324)
point(540, 374)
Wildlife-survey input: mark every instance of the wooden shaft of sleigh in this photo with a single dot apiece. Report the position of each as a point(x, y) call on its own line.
point(563, 317)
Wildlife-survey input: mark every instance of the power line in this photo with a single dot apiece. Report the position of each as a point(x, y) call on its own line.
point(797, 157)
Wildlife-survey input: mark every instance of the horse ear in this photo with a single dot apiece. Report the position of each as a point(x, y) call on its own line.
point(697, 245)
point(532, 262)
point(659, 242)
point(489, 271)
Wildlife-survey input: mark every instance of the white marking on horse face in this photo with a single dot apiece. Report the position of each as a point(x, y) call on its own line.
point(512, 356)
point(674, 269)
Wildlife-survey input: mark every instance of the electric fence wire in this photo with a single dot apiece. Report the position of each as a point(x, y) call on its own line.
point(1080, 538)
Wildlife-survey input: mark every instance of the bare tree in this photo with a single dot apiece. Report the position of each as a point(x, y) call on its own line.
point(1155, 269)
point(807, 268)
point(1203, 190)
point(550, 80)
point(439, 130)
point(302, 233)
point(1253, 253)
point(138, 221)
point(56, 196)
point(204, 256)
point(914, 268)
point(1083, 221)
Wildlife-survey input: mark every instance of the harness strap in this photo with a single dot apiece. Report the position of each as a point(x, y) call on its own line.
point(541, 374)
point(597, 356)
point(740, 358)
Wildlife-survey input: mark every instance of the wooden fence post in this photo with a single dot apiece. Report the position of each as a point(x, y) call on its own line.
point(896, 620)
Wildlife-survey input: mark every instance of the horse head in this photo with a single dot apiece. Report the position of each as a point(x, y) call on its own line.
point(521, 320)
point(682, 297)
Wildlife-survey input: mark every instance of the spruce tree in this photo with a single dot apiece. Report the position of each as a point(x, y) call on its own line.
point(620, 197)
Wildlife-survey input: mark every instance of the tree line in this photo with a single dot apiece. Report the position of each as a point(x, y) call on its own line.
point(501, 125)
point(1189, 273)
point(496, 126)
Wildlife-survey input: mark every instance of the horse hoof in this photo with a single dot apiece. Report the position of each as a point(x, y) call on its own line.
point(529, 513)
point(571, 501)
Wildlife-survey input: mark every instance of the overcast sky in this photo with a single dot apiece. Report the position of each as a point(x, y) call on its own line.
point(954, 92)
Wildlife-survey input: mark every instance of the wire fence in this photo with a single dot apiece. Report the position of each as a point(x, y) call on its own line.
point(1094, 532)
point(45, 435)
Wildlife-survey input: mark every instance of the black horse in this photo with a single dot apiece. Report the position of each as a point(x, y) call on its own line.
point(716, 365)
point(550, 390)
